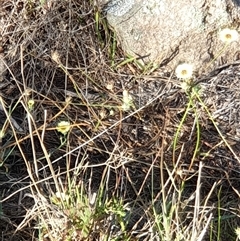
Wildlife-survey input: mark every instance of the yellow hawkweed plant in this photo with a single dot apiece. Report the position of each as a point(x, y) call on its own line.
point(228, 35)
point(237, 231)
point(184, 85)
point(56, 199)
point(127, 101)
point(184, 71)
point(63, 127)
point(31, 104)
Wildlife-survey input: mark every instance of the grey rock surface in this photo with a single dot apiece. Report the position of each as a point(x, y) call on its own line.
point(119, 8)
point(170, 32)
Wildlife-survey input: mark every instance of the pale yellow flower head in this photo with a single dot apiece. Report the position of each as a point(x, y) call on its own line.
point(237, 231)
point(228, 35)
point(184, 71)
point(59, 197)
point(63, 127)
point(31, 104)
point(184, 85)
point(127, 101)
point(56, 57)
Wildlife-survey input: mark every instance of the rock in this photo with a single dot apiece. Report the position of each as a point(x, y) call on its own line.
point(170, 32)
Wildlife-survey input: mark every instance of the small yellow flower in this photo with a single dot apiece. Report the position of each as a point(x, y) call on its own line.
point(228, 35)
point(109, 86)
point(184, 71)
point(59, 197)
point(127, 101)
point(237, 231)
point(63, 127)
point(102, 114)
point(31, 104)
point(111, 112)
point(185, 86)
point(56, 57)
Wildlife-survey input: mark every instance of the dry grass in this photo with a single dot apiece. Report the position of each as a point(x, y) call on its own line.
point(115, 175)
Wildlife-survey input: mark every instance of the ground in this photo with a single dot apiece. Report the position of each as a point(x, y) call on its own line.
point(138, 157)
